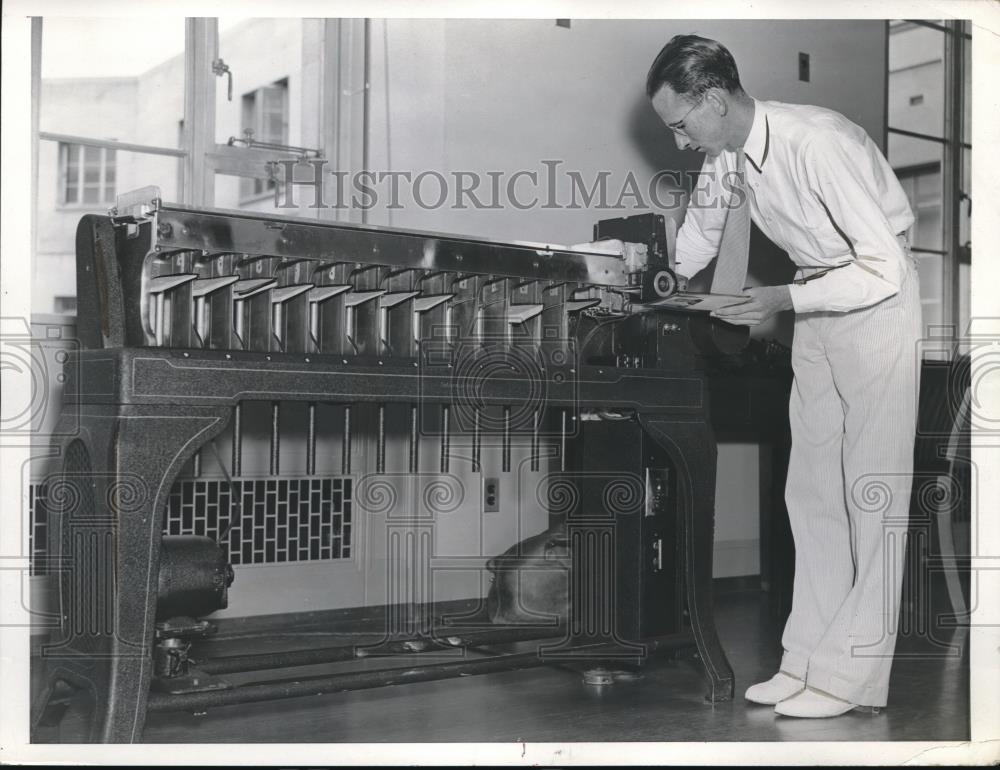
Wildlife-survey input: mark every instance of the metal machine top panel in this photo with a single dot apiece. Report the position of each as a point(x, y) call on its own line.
point(181, 227)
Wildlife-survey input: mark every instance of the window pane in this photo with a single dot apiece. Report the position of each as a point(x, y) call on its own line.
point(244, 192)
point(274, 128)
point(256, 77)
point(274, 98)
point(113, 78)
point(916, 78)
point(249, 113)
point(917, 163)
point(258, 194)
point(71, 193)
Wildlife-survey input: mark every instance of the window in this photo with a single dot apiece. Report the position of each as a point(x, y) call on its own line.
point(928, 146)
point(923, 187)
point(86, 175)
point(265, 113)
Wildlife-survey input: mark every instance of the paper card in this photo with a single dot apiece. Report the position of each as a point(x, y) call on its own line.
point(684, 300)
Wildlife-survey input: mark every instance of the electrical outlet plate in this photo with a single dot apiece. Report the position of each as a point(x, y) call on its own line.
point(491, 495)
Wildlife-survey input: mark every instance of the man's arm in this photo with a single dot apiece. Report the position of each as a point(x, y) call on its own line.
point(701, 232)
point(841, 176)
point(763, 302)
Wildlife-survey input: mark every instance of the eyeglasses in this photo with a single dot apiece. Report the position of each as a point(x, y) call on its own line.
point(678, 128)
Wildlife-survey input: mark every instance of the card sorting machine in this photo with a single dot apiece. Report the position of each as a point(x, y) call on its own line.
point(186, 314)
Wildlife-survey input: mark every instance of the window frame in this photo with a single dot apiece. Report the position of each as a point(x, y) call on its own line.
point(249, 192)
point(62, 201)
point(953, 186)
point(915, 173)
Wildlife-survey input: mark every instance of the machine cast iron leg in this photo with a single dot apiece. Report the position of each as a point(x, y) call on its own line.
point(117, 479)
point(691, 447)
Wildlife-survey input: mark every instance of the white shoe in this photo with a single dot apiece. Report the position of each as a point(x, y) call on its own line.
point(814, 704)
point(774, 690)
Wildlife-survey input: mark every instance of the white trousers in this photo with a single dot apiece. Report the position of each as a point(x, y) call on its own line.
point(853, 414)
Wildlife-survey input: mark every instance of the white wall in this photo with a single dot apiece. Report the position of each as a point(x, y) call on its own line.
point(503, 95)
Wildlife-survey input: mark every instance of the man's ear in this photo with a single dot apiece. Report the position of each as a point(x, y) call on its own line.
point(714, 96)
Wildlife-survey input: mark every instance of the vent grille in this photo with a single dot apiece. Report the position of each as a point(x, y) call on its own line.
point(273, 521)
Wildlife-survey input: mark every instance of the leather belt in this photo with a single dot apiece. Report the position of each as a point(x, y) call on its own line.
point(821, 271)
point(813, 276)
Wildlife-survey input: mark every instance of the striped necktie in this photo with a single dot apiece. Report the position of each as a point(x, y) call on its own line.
point(734, 247)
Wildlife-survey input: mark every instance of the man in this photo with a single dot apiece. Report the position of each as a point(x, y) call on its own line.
point(819, 188)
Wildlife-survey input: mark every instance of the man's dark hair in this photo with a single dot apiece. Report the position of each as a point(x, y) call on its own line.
point(691, 65)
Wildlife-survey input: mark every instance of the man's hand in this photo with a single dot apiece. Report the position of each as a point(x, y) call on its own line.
point(764, 302)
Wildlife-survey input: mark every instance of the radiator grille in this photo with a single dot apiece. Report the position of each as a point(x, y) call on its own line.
point(276, 521)
point(273, 520)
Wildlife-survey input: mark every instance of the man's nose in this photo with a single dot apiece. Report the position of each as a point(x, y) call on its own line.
point(682, 141)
